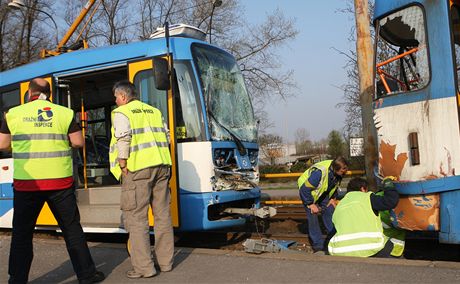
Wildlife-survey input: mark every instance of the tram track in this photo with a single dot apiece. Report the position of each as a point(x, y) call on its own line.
point(288, 225)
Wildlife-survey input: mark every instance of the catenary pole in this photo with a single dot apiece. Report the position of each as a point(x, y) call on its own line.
point(364, 51)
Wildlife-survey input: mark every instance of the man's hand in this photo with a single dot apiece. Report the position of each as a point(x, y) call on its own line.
point(314, 209)
point(332, 202)
point(123, 166)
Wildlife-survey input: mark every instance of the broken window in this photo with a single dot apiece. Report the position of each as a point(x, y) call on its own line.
point(401, 57)
point(228, 104)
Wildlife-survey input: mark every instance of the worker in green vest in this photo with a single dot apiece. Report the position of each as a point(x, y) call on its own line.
point(41, 135)
point(139, 155)
point(359, 230)
point(396, 235)
point(317, 190)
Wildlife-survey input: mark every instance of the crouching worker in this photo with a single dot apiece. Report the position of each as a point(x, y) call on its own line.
point(359, 230)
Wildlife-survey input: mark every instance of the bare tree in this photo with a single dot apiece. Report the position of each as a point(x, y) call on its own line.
point(303, 143)
point(351, 103)
point(24, 33)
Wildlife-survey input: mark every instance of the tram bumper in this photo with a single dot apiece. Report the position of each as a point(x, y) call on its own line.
point(205, 211)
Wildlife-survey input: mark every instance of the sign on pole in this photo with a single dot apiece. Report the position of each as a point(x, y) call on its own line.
point(357, 147)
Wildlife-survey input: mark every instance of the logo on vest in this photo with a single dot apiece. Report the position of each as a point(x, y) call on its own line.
point(43, 119)
point(136, 111)
point(45, 114)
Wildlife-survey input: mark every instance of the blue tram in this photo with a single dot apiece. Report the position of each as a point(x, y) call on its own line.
point(216, 153)
point(417, 110)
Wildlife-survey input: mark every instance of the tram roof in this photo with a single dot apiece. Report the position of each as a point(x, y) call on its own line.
point(383, 7)
point(100, 56)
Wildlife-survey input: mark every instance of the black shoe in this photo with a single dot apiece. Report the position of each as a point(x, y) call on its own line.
point(97, 277)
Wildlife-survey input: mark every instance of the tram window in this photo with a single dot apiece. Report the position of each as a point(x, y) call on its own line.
point(455, 18)
point(188, 125)
point(8, 100)
point(402, 57)
point(188, 118)
point(145, 86)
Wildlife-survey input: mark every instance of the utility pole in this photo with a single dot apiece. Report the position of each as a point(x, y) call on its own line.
point(365, 54)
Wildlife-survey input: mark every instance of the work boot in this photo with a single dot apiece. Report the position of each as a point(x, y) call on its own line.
point(165, 268)
point(132, 274)
point(319, 252)
point(96, 278)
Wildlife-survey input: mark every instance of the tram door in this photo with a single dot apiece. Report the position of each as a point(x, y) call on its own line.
point(141, 74)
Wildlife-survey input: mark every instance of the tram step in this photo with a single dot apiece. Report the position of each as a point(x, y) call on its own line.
point(101, 215)
point(99, 195)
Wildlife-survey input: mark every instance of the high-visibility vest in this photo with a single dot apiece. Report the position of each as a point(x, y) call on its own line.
point(323, 166)
point(40, 143)
point(396, 235)
point(359, 230)
point(149, 145)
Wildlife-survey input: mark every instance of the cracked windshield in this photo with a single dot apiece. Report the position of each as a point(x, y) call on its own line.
point(228, 103)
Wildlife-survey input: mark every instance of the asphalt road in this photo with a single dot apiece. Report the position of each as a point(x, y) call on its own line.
point(51, 265)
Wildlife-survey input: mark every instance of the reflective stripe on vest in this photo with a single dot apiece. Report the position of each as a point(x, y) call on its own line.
point(323, 166)
point(149, 145)
point(47, 136)
point(40, 144)
point(41, 155)
point(359, 230)
point(363, 236)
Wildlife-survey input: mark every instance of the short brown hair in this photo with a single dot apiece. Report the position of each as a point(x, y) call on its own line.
point(338, 163)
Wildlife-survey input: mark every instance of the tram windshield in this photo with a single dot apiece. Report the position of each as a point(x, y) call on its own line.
point(227, 101)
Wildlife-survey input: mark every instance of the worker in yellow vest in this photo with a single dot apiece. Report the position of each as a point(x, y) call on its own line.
point(41, 134)
point(359, 230)
point(317, 190)
point(396, 235)
point(139, 155)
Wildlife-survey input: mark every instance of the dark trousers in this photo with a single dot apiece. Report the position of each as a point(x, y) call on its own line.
point(314, 229)
point(386, 251)
point(27, 207)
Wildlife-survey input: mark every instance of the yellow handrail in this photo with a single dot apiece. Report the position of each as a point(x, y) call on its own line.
point(293, 175)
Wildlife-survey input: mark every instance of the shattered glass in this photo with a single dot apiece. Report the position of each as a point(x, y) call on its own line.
point(228, 103)
point(401, 32)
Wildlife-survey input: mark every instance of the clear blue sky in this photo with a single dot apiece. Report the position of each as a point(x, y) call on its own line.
point(318, 68)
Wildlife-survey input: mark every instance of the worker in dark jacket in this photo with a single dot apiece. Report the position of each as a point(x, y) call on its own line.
point(359, 230)
point(317, 190)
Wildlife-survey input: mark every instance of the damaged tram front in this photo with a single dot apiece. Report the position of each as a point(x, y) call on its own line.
point(417, 111)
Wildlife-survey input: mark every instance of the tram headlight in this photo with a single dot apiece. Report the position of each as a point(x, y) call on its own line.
point(253, 157)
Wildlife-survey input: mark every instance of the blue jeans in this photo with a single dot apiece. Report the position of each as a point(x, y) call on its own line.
point(27, 207)
point(314, 230)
